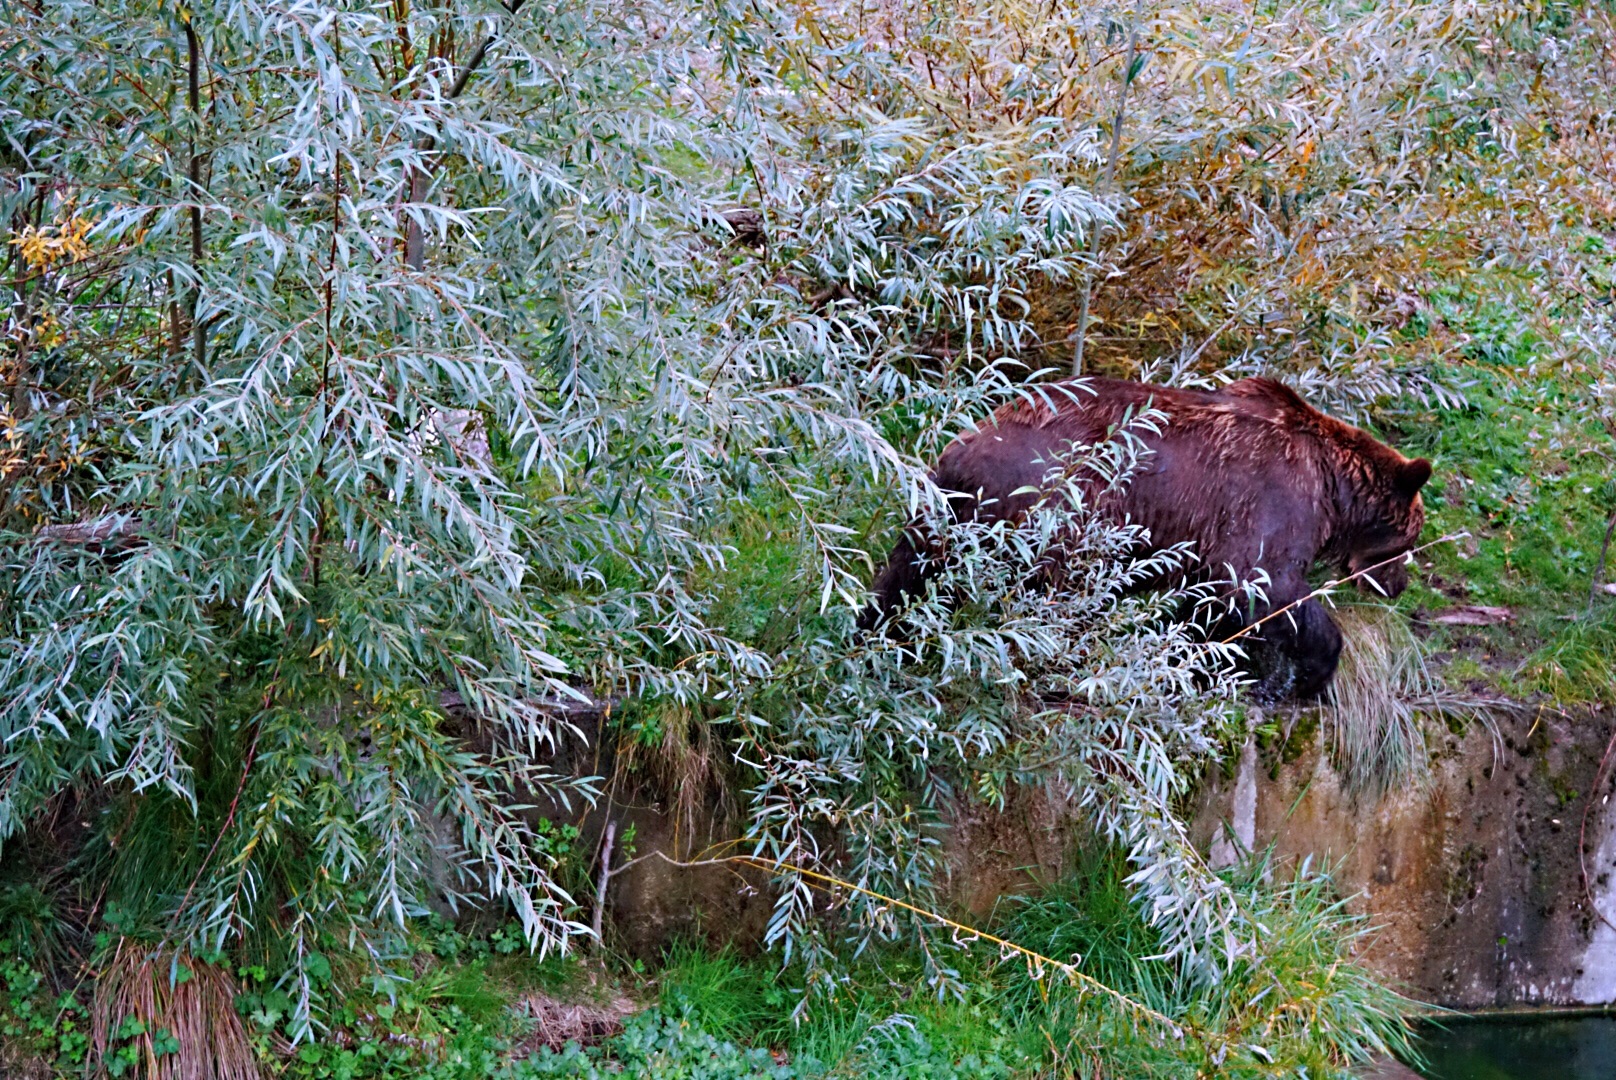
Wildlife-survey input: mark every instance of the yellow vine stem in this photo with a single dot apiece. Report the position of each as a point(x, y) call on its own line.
point(1035, 960)
point(1328, 585)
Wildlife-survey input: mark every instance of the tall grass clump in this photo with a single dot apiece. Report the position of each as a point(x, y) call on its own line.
point(1380, 699)
point(1579, 665)
point(1299, 1003)
point(1372, 704)
point(163, 1015)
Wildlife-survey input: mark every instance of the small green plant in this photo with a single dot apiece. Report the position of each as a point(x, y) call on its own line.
point(451, 1010)
point(659, 1045)
point(37, 1027)
point(555, 841)
point(130, 1051)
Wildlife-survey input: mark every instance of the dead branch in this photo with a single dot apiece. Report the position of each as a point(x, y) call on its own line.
point(115, 530)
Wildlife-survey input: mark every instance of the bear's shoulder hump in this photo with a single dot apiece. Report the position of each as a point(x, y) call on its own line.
point(1264, 389)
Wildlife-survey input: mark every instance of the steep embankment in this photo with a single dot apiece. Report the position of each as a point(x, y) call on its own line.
point(1474, 874)
point(1475, 871)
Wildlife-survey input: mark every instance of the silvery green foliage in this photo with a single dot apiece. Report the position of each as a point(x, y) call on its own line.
point(311, 555)
point(1102, 695)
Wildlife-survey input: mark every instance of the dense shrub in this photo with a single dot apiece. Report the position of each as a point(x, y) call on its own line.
point(384, 384)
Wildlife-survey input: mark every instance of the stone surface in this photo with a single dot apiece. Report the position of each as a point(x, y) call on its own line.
point(1238, 835)
point(1473, 877)
point(1388, 1069)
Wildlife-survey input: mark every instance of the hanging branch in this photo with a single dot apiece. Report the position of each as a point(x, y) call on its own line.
point(1128, 74)
point(414, 241)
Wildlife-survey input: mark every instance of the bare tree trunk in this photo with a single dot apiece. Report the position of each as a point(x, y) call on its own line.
point(414, 241)
point(1105, 185)
point(1599, 570)
point(604, 880)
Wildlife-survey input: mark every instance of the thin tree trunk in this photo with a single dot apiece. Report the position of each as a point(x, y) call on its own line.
point(604, 880)
point(194, 174)
point(1105, 186)
point(414, 241)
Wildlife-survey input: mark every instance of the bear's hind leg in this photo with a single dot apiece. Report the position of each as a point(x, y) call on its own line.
point(916, 558)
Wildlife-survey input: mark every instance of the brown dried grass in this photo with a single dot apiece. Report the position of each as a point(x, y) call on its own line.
point(170, 991)
point(1380, 694)
point(557, 1023)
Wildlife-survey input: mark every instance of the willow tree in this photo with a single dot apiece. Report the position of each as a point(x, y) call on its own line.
point(367, 359)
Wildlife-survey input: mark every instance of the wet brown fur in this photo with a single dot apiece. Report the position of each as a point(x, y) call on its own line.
point(1251, 474)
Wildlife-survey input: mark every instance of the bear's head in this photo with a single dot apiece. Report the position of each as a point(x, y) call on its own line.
point(1388, 522)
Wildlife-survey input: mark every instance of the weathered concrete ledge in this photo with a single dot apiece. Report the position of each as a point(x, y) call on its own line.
point(1474, 876)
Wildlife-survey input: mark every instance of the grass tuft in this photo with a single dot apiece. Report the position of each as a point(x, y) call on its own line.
point(29, 922)
point(728, 996)
point(158, 1014)
point(1580, 665)
point(1375, 704)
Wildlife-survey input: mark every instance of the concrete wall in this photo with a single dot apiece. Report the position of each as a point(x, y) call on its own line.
point(1473, 876)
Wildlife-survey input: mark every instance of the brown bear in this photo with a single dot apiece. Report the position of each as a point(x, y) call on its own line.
point(1250, 474)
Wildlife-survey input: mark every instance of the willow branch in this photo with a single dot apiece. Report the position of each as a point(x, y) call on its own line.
point(1330, 585)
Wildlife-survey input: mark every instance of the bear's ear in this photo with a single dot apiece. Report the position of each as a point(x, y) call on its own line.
point(1412, 475)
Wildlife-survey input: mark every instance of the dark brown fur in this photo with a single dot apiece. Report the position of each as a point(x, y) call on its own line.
point(1251, 474)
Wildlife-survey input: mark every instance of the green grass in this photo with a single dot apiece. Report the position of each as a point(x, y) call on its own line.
point(884, 1021)
point(729, 996)
point(1527, 471)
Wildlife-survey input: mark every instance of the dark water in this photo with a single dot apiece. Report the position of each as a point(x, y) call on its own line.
point(1548, 1048)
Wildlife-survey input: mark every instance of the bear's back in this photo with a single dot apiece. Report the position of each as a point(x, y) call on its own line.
point(1238, 471)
